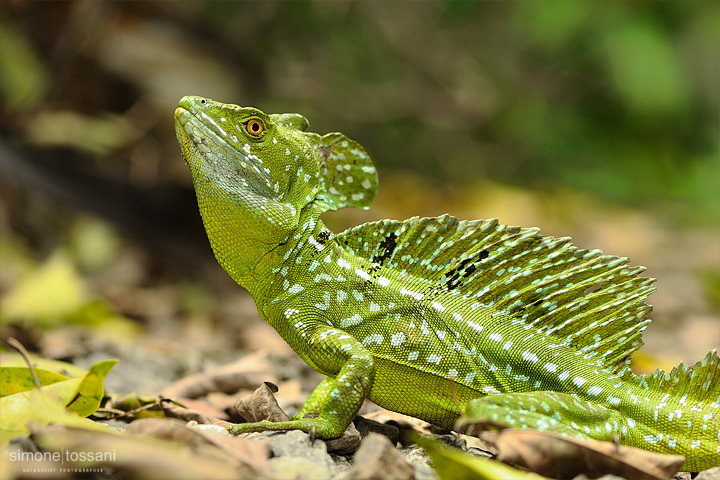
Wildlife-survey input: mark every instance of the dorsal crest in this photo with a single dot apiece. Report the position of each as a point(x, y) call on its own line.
point(592, 302)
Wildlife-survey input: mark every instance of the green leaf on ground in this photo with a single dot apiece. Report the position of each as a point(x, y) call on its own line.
point(63, 402)
point(450, 463)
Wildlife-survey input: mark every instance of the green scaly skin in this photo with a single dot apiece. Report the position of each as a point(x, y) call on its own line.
point(530, 331)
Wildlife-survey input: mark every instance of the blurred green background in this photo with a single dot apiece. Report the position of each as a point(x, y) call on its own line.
point(530, 111)
point(615, 98)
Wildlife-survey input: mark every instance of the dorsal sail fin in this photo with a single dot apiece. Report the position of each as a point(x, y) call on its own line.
point(592, 302)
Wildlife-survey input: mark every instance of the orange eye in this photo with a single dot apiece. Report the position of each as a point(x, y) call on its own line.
point(255, 127)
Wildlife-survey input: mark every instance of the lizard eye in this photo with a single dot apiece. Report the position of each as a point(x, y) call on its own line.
point(255, 127)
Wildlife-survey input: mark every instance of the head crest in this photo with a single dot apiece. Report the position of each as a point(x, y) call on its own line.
point(348, 176)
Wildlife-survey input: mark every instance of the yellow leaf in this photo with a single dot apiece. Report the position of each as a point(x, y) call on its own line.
point(454, 464)
point(81, 395)
point(19, 379)
point(57, 366)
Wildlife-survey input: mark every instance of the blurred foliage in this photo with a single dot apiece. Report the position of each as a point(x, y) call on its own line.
point(614, 98)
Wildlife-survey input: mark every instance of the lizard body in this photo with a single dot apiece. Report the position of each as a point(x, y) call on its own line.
point(531, 331)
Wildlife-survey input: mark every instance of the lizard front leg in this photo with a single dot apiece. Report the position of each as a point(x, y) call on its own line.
point(336, 401)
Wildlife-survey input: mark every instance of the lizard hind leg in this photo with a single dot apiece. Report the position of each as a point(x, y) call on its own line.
point(314, 417)
point(336, 400)
point(314, 403)
point(554, 412)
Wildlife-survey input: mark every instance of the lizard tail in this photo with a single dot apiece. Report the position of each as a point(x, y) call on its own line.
point(683, 415)
point(691, 383)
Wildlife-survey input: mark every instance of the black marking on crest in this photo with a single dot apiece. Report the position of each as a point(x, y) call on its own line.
point(386, 248)
point(323, 237)
point(464, 269)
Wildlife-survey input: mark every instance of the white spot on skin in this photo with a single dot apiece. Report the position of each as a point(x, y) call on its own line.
point(373, 338)
point(433, 358)
point(412, 356)
point(326, 302)
point(384, 282)
point(322, 276)
point(438, 306)
point(579, 381)
point(415, 295)
point(362, 274)
point(397, 339)
point(551, 367)
point(349, 322)
point(530, 357)
point(297, 288)
point(495, 336)
point(475, 326)
point(594, 391)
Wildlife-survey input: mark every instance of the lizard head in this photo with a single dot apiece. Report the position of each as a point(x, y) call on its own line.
point(257, 175)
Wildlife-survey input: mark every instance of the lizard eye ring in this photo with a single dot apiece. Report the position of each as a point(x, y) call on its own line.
point(255, 127)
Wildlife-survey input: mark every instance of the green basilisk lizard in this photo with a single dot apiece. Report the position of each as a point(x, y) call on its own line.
point(530, 331)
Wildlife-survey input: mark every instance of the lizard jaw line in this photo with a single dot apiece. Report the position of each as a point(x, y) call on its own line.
point(192, 127)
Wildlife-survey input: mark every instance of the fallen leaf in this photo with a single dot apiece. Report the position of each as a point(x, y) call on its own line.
point(19, 379)
point(261, 405)
point(453, 464)
point(57, 366)
point(172, 410)
point(566, 457)
point(62, 402)
point(135, 406)
point(136, 456)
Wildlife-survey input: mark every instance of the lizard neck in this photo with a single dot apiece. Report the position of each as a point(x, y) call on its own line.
point(309, 239)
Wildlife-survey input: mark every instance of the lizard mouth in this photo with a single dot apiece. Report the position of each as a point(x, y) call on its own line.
point(209, 151)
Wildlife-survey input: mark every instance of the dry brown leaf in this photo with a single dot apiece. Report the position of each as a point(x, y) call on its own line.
point(169, 429)
point(566, 457)
point(261, 405)
point(395, 426)
point(245, 373)
point(137, 457)
point(204, 406)
point(188, 414)
point(246, 451)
